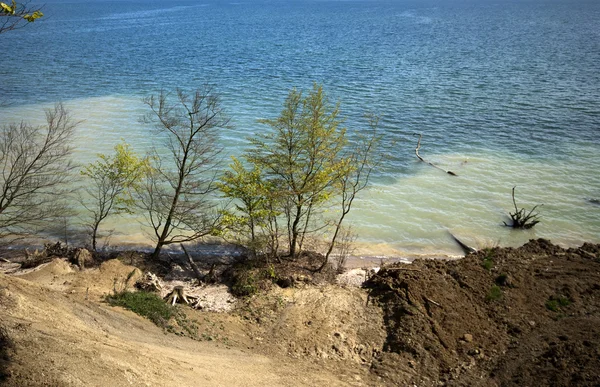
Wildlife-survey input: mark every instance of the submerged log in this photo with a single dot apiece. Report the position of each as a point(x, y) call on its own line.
point(466, 248)
point(428, 162)
point(594, 201)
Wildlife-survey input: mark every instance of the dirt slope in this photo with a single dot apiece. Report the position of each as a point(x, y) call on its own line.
point(51, 335)
point(501, 317)
point(508, 317)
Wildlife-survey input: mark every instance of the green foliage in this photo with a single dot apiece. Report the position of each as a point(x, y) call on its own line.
point(13, 10)
point(117, 175)
point(271, 274)
point(15, 15)
point(555, 303)
point(112, 180)
point(296, 171)
point(494, 294)
point(248, 278)
point(302, 158)
point(488, 260)
point(145, 304)
point(6, 9)
point(253, 209)
point(245, 283)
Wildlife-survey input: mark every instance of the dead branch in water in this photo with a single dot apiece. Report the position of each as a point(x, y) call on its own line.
point(520, 219)
point(423, 160)
point(594, 201)
point(466, 248)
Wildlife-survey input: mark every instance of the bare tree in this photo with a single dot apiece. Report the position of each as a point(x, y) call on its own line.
point(362, 160)
point(35, 164)
point(16, 15)
point(177, 195)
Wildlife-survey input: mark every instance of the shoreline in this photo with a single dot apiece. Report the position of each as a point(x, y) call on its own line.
point(362, 258)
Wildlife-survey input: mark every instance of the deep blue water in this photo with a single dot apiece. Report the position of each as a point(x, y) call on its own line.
point(476, 77)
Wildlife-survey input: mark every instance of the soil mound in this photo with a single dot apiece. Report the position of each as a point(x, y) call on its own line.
point(502, 316)
point(319, 323)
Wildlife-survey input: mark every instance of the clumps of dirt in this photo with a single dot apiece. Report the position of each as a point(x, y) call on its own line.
point(6, 347)
point(355, 277)
point(320, 323)
point(502, 316)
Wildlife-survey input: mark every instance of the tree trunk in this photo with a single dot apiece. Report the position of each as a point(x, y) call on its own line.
point(294, 240)
point(157, 250)
point(192, 264)
point(94, 233)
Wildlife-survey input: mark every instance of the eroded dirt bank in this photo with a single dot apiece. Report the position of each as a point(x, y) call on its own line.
point(508, 317)
point(526, 316)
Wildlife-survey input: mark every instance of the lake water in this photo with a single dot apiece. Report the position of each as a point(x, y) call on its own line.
point(506, 93)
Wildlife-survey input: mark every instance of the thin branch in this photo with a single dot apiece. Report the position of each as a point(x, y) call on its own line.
point(428, 162)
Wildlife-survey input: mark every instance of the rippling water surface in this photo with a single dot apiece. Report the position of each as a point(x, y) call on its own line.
point(504, 92)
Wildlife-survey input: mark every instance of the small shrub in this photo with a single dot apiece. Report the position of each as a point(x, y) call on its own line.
point(145, 304)
point(488, 259)
point(271, 274)
point(244, 284)
point(556, 303)
point(494, 294)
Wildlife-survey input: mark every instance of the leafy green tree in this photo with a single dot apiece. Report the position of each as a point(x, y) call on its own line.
point(177, 195)
point(298, 171)
point(16, 15)
point(253, 218)
point(303, 158)
point(113, 178)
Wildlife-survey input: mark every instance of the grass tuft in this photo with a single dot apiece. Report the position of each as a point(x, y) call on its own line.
point(494, 294)
point(145, 304)
point(555, 303)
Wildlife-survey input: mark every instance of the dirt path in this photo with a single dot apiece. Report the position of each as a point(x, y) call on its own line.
point(52, 336)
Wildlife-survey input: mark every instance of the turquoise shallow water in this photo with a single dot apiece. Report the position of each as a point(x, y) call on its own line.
point(505, 93)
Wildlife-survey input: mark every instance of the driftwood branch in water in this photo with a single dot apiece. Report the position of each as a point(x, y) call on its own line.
point(466, 248)
point(594, 201)
point(521, 219)
point(192, 264)
point(423, 160)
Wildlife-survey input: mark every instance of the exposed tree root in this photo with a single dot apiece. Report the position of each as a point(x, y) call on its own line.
point(520, 219)
point(179, 295)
